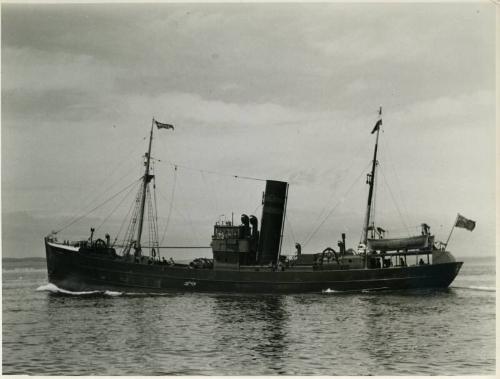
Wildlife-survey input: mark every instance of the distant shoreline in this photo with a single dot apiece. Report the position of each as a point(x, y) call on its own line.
point(8, 259)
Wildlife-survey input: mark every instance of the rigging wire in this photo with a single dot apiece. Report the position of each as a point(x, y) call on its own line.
point(388, 148)
point(148, 216)
point(152, 227)
point(171, 205)
point(256, 208)
point(114, 210)
point(289, 223)
point(396, 204)
point(320, 215)
point(156, 217)
point(342, 199)
point(130, 231)
point(374, 202)
point(132, 206)
point(108, 177)
point(97, 207)
point(212, 171)
point(190, 222)
point(211, 189)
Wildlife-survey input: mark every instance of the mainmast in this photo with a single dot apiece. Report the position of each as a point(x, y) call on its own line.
point(145, 181)
point(370, 180)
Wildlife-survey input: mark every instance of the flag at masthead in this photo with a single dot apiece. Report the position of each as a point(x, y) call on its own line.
point(379, 122)
point(161, 125)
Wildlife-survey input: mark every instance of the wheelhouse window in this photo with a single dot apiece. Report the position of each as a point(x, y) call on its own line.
point(224, 232)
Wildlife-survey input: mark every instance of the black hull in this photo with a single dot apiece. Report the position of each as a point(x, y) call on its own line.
point(75, 271)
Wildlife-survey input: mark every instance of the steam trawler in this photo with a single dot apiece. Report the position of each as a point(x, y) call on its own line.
point(248, 258)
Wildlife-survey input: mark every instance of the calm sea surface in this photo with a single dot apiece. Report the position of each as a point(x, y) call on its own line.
point(425, 332)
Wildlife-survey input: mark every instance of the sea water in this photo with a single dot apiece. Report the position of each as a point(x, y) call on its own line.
point(49, 331)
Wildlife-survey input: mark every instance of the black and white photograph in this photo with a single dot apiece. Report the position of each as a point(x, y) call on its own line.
point(248, 188)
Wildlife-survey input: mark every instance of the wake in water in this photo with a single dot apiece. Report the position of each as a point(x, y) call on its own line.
point(52, 288)
point(475, 288)
point(330, 291)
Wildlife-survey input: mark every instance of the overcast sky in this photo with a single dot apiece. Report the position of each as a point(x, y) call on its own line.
point(273, 91)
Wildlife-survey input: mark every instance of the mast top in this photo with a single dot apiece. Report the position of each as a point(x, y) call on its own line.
point(370, 180)
point(146, 179)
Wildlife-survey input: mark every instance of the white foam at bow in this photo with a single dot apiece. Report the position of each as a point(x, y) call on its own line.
point(55, 289)
point(328, 290)
point(113, 293)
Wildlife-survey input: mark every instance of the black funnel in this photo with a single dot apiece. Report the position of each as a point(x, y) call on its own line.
point(273, 215)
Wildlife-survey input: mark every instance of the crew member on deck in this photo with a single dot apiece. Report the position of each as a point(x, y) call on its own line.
point(299, 249)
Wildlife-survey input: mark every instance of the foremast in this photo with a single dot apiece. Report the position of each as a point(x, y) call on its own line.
point(370, 180)
point(146, 179)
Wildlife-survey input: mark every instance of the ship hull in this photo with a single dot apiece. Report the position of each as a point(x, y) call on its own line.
point(72, 270)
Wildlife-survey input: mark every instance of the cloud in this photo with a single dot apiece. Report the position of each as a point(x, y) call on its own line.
point(303, 56)
point(282, 91)
point(451, 112)
point(38, 70)
point(217, 113)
